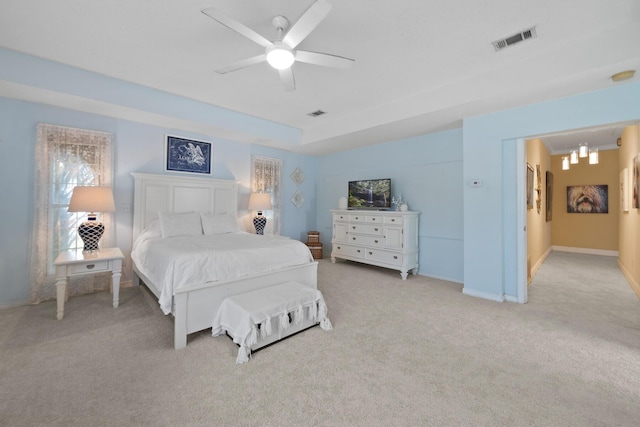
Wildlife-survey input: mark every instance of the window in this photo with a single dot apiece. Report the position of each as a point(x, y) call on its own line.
point(266, 173)
point(65, 158)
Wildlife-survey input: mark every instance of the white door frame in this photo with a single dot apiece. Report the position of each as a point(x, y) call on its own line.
point(521, 220)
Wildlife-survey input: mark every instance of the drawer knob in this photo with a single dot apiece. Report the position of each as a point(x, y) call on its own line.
point(376, 229)
point(339, 247)
point(370, 253)
point(375, 241)
point(354, 227)
point(358, 251)
point(393, 220)
point(90, 266)
point(395, 257)
point(353, 238)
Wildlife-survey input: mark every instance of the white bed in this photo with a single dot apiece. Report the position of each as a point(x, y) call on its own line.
point(193, 305)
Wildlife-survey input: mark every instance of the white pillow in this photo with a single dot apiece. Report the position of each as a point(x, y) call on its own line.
point(180, 224)
point(218, 223)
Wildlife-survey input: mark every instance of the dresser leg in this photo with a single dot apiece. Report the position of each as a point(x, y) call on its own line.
point(404, 275)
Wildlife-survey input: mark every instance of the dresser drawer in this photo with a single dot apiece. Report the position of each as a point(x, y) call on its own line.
point(397, 220)
point(384, 256)
point(340, 217)
point(375, 230)
point(357, 218)
point(374, 219)
point(364, 240)
point(348, 251)
point(91, 267)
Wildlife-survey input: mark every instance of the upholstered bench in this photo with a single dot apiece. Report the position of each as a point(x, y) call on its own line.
point(261, 317)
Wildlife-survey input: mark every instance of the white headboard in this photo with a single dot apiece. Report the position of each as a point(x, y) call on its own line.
point(169, 193)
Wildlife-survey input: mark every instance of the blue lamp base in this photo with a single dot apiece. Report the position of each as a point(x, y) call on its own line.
point(260, 222)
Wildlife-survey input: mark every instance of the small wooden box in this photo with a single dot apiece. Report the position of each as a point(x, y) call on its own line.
point(313, 237)
point(316, 249)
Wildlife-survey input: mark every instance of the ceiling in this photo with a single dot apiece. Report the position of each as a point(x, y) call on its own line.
point(420, 66)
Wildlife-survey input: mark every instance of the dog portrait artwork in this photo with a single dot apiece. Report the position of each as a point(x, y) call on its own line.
point(588, 199)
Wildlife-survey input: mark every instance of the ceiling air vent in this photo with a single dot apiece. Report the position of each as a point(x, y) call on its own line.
point(316, 113)
point(529, 33)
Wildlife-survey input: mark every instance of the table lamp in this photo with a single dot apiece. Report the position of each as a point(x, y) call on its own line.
point(260, 202)
point(92, 200)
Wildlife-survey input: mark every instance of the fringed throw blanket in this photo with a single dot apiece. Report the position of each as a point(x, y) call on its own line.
point(248, 315)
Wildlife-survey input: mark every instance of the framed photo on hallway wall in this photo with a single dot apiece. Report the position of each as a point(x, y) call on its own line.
point(588, 199)
point(549, 195)
point(529, 186)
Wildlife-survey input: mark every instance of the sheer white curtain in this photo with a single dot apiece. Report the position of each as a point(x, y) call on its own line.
point(266, 178)
point(64, 158)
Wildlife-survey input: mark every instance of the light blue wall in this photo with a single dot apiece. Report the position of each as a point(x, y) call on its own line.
point(466, 234)
point(138, 148)
point(427, 171)
point(490, 238)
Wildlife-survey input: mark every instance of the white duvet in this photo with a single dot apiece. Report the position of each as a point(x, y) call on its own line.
point(178, 263)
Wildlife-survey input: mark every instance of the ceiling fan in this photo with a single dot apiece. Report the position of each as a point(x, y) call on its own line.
point(282, 53)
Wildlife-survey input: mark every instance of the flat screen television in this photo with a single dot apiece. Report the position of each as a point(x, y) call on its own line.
point(370, 194)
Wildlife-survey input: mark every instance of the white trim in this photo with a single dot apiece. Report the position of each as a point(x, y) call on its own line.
point(446, 279)
point(483, 295)
point(12, 304)
point(521, 221)
point(635, 286)
point(585, 251)
point(536, 267)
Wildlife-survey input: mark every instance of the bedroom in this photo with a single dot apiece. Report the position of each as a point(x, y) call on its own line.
point(431, 167)
point(469, 236)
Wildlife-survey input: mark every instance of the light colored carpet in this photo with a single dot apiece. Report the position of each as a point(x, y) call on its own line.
point(415, 352)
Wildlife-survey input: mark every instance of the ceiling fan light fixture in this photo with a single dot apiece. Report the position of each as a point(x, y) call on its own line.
point(280, 57)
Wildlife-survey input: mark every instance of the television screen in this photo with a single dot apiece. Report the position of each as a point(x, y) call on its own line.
point(370, 193)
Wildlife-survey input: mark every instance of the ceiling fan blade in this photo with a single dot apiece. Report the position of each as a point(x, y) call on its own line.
point(307, 23)
point(288, 80)
point(324, 59)
point(242, 64)
point(236, 26)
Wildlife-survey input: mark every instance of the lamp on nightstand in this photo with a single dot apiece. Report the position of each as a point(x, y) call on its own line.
point(92, 200)
point(260, 202)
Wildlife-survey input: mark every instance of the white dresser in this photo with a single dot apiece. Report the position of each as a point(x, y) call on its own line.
point(383, 238)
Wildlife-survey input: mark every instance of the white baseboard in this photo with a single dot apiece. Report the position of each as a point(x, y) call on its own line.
point(585, 251)
point(634, 285)
point(483, 295)
point(446, 279)
point(538, 264)
point(14, 304)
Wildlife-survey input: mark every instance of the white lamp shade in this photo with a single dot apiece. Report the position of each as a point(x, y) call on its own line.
point(583, 150)
point(260, 202)
point(565, 163)
point(573, 158)
point(593, 156)
point(92, 199)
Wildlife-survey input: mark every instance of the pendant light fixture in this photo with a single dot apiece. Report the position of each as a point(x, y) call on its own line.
point(582, 151)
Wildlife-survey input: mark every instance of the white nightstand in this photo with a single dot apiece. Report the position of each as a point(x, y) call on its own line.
point(77, 263)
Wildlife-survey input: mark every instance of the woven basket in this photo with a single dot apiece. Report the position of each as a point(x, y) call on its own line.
point(313, 237)
point(316, 250)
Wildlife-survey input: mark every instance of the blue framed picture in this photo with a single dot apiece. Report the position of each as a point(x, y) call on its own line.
point(187, 155)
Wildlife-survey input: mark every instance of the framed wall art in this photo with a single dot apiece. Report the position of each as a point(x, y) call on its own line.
point(549, 195)
point(529, 186)
point(588, 199)
point(624, 190)
point(187, 155)
point(636, 182)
